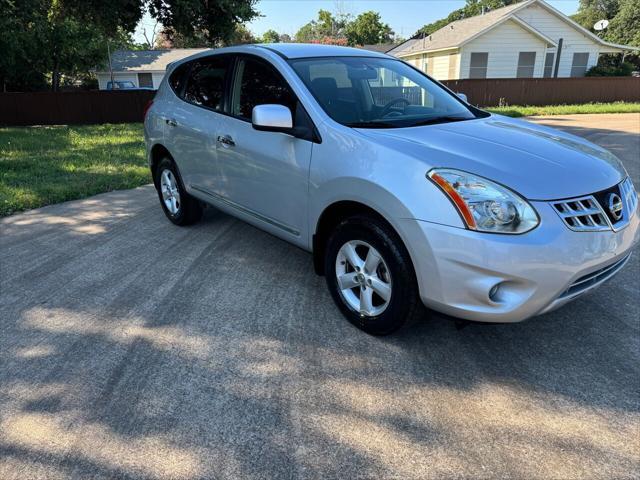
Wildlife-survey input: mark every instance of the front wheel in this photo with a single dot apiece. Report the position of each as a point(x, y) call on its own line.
point(370, 276)
point(179, 207)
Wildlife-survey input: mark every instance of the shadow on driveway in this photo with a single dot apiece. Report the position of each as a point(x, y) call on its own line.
point(136, 349)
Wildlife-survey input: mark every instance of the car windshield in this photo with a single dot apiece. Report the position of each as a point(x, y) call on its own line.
point(366, 92)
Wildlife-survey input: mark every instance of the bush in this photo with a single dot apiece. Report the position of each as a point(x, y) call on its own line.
point(622, 70)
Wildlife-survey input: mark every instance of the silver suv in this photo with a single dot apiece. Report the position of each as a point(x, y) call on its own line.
point(405, 194)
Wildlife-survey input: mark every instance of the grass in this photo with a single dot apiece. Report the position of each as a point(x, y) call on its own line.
point(44, 165)
point(522, 111)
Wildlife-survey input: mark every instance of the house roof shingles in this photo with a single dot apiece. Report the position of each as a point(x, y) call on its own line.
point(148, 60)
point(456, 33)
point(459, 32)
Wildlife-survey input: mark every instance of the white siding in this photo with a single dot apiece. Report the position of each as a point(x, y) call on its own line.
point(573, 40)
point(439, 65)
point(157, 79)
point(454, 67)
point(415, 60)
point(503, 44)
point(103, 78)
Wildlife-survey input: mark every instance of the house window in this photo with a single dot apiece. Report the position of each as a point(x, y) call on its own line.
point(548, 64)
point(478, 66)
point(145, 80)
point(579, 65)
point(526, 64)
point(424, 62)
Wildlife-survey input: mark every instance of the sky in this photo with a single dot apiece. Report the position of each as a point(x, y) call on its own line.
point(404, 16)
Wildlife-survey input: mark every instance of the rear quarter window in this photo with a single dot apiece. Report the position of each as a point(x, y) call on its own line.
point(178, 79)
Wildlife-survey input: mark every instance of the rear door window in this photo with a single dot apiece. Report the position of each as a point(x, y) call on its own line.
point(206, 82)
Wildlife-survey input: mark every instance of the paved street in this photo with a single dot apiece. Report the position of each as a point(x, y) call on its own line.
point(131, 348)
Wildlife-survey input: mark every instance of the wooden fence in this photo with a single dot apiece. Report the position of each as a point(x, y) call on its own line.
point(547, 91)
point(88, 107)
point(69, 108)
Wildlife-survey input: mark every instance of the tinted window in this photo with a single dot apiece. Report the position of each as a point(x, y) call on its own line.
point(258, 83)
point(205, 85)
point(526, 64)
point(178, 78)
point(478, 66)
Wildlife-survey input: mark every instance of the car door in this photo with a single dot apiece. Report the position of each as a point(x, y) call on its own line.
point(194, 119)
point(265, 173)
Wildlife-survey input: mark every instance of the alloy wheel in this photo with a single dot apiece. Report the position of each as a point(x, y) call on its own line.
point(363, 278)
point(170, 192)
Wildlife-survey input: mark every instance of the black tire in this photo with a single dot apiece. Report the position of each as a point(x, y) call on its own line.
point(404, 305)
point(189, 209)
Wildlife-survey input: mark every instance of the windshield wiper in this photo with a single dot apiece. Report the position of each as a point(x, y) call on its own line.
point(445, 119)
point(371, 125)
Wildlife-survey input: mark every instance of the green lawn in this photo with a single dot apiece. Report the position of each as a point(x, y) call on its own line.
point(521, 111)
point(44, 165)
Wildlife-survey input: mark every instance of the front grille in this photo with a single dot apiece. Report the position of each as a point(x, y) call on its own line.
point(591, 213)
point(582, 214)
point(629, 195)
point(585, 282)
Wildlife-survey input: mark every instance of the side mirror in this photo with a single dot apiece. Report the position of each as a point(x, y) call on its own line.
point(462, 97)
point(272, 118)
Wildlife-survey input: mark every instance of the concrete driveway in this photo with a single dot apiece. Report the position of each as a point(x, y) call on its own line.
point(131, 348)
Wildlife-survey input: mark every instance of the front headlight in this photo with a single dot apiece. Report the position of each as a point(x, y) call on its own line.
point(484, 205)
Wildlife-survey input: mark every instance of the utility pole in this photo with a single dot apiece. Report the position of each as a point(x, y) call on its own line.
point(110, 67)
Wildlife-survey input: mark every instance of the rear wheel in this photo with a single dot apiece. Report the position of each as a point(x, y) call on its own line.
point(370, 276)
point(179, 207)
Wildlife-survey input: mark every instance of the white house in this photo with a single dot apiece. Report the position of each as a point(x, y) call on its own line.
point(526, 39)
point(144, 68)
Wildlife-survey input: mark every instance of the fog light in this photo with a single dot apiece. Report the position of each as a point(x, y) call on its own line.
point(493, 293)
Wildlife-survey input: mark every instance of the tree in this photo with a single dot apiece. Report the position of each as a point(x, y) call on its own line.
point(20, 67)
point(326, 26)
point(56, 38)
point(590, 11)
point(471, 9)
point(270, 36)
point(216, 20)
point(42, 43)
point(368, 29)
point(625, 26)
point(241, 36)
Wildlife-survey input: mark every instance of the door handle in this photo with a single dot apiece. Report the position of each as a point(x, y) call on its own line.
point(171, 122)
point(226, 140)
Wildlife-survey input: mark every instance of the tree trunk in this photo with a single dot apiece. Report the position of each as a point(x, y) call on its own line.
point(55, 74)
point(55, 77)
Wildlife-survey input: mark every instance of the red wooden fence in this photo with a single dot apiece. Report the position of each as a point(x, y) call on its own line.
point(87, 107)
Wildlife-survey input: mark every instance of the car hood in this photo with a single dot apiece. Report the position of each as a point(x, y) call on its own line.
point(538, 162)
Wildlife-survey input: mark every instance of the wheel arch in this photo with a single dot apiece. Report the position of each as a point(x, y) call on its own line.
point(156, 154)
point(331, 216)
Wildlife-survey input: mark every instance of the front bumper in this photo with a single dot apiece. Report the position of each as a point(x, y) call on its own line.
point(509, 278)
